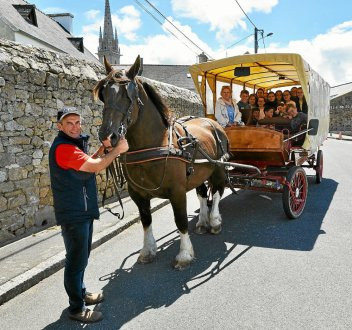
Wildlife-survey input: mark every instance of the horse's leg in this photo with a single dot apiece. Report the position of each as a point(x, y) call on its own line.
point(148, 252)
point(218, 186)
point(186, 254)
point(203, 219)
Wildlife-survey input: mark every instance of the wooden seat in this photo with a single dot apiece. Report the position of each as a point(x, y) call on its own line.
point(256, 145)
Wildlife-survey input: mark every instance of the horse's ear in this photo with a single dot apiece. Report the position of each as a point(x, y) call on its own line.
point(134, 69)
point(108, 66)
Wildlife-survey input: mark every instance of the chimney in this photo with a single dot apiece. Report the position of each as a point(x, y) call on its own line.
point(201, 58)
point(64, 20)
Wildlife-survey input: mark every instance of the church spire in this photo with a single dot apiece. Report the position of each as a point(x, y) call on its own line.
point(108, 43)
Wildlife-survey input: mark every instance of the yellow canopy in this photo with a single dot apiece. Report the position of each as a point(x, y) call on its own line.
point(266, 71)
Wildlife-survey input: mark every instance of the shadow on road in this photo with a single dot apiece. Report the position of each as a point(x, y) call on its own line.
point(251, 219)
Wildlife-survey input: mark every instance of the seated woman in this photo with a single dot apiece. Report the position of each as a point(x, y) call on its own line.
point(252, 100)
point(226, 110)
point(271, 101)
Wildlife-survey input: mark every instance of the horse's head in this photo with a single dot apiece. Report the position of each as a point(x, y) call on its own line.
point(119, 93)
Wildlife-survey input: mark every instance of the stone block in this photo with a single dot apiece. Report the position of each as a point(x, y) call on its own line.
point(3, 175)
point(16, 201)
point(3, 203)
point(20, 140)
point(17, 173)
point(6, 187)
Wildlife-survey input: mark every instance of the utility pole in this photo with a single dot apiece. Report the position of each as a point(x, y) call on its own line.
point(256, 40)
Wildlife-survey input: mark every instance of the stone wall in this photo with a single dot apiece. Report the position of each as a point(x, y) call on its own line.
point(34, 84)
point(341, 114)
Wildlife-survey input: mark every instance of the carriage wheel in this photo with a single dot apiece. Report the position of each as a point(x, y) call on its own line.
point(294, 197)
point(319, 167)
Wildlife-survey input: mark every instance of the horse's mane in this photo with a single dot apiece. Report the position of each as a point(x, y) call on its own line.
point(158, 102)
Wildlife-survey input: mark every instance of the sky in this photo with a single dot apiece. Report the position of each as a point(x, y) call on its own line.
point(319, 30)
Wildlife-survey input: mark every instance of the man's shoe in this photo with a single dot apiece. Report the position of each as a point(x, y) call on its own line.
point(87, 316)
point(93, 298)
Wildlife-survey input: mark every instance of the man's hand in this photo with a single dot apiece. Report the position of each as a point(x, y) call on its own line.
point(121, 147)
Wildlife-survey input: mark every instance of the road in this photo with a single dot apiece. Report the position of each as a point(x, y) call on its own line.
point(262, 272)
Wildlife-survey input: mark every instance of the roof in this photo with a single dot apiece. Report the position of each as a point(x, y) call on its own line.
point(177, 75)
point(266, 70)
point(340, 90)
point(47, 30)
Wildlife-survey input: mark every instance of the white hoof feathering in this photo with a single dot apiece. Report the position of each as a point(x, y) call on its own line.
point(215, 217)
point(148, 251)
point(203, 218)
point(186, 254)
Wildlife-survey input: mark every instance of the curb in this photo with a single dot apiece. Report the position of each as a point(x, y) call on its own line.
point(31, 277)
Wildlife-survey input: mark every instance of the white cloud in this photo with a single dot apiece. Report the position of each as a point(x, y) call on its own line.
point(92, 14)
point(223, 16)
point(329, 54)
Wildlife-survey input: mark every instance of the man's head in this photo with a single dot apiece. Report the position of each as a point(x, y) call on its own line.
point(256, 113)
point(69, 122)
point(291, 110)
point(244, 95)
point(294, 91)
point(269, 112)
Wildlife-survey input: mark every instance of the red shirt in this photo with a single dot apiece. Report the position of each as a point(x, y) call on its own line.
point(70, 157)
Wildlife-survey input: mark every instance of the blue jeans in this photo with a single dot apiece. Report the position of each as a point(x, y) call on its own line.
point(78, 240)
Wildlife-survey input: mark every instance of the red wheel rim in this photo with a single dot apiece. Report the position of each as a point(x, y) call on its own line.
point(298, 193)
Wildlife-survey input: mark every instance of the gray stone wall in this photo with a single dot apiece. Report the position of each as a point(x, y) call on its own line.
point(34, 84)
point(341, 114)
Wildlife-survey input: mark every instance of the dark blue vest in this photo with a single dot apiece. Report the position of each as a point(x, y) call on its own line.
point(74, 192)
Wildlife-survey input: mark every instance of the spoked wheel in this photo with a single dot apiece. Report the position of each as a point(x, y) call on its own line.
point(319, 167)
point(294, 197)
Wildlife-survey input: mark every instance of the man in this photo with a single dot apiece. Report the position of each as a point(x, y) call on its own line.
point(244, 106)
point(297, 118)
point(72, 174)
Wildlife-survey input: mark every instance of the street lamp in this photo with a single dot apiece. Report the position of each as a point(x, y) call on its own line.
point(256, 38)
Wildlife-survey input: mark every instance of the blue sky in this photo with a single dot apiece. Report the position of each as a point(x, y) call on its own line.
point(316, 29)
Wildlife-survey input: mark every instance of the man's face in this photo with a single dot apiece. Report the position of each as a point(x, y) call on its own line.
point(244, 97)
point(269, 113)
point(256, 114)
point(71, 126)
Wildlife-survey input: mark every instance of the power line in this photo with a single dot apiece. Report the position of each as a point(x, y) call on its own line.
point(161, 14)
point(245, 13)
point(161, 23)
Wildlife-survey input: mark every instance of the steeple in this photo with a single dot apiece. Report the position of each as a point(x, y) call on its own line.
point(108, 43)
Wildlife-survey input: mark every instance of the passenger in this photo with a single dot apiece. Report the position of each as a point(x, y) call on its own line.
point(293, 93)
point(271, 102)
point(253, 101)
point(226, 110)
point(260, 92)
point(261, 107)
point(244, 106)
point(278, 95)
point(301, 102)
point(297, 118)
point(269, 113)
point(280, 110)
point(254, 117)
point(286, 95)
point(265, 95)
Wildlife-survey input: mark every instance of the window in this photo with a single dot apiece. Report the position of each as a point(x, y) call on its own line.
point(78, 43)
point(28, 13)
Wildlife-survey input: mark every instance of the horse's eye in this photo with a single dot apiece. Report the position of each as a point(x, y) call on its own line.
point(100, 95)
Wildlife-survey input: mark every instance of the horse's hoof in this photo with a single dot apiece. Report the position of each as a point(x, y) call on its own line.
point(147, 259)
point(216, 230)
point(181, 265)
point(201, 230)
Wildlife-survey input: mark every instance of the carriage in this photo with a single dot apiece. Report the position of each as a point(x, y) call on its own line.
point(277, 155)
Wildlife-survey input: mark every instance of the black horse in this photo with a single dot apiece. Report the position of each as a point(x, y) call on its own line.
point(155, 165)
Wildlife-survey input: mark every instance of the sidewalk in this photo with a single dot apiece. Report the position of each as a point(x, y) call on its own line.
point(26, 262)
point(337, 137)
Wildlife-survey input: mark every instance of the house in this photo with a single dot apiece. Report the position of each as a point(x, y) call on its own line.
point(22, 22)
